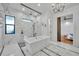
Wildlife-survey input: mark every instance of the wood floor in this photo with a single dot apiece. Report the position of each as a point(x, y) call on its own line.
point(68, 41)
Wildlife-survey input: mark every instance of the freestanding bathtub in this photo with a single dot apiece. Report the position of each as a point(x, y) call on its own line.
point(36, 44)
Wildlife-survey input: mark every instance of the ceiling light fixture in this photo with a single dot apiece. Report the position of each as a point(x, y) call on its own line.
point(26, 20)
point(38, 4)
point(23, 9)
point(67, 23)
point(58, 7)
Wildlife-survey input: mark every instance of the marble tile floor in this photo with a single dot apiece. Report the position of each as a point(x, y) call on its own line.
point(58, 49)
point(54, 49)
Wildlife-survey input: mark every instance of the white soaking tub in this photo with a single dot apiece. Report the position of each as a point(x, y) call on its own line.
point(36, 44)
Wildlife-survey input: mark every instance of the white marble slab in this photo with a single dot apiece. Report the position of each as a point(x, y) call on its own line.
point(49, 52)
point(52, 50)
point(35, 39)
point(12, 50)
point(70, 47)
point(34, 45)
point(57, 51)
point(26, 52)
point(61, 51)
point(67, 46)
point(40, 53)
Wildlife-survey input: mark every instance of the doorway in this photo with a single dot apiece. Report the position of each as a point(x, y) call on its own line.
point(59, 29)
point(65, 29)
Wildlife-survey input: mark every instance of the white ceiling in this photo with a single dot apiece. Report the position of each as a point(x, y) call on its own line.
point(43, 8)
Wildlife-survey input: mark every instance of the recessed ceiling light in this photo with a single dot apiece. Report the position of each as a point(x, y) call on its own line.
point(53, 4)
point(38, 4)
point(23, 9)
point(26, 20)
point(67, 23)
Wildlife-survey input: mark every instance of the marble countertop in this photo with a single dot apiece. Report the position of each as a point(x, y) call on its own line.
point(35, 39)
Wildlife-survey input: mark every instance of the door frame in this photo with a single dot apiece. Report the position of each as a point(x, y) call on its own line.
point(59, 29)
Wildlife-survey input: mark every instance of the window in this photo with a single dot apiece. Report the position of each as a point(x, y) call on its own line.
point(9, 24)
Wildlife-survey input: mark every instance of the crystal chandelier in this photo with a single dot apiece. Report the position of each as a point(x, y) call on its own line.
point(58, 7)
